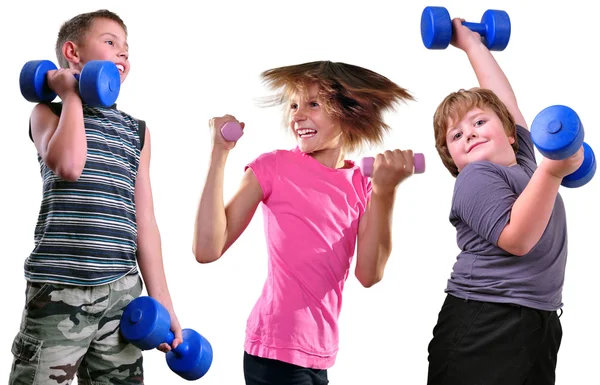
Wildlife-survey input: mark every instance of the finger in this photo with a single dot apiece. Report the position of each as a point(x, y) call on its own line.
point(164, 347)
point(409, 160)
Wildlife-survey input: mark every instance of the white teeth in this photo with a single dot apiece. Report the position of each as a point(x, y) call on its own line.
point(306, 131)
point(120, 67)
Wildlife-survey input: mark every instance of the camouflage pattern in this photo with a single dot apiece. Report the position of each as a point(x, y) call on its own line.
point(69, 330)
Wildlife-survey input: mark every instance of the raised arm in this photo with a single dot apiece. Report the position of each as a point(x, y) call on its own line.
point(61, 141)
point(487, 70)
point(218, 226)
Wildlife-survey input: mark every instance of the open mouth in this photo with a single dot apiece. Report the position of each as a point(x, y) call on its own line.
point(306, 132)
point(121, 68)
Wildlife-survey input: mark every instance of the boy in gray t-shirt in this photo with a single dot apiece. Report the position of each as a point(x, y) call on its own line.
point(499, 322)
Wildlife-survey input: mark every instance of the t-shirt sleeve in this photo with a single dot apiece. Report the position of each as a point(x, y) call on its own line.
point(483, 200)
point(526, 148)
point(264, 168)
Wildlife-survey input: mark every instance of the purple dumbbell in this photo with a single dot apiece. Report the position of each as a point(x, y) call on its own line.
point(232, 131)
point(366, 164)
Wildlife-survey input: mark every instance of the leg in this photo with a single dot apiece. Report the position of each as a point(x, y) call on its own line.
point(264, 371)
point(483, 343)
point(543, 371)
point(54, 335)
point(110, 358)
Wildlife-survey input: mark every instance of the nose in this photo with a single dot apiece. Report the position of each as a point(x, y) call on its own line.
point(471, 135)
point(298, 115)
point(124, 54)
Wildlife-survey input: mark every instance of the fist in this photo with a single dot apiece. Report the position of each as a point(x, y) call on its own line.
point(216, 124)
point(63, 82)
point(463, 37)
point(390, 169)
point(562, 168)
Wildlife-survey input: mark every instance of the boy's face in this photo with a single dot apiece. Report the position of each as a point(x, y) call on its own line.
point(314, 129)
point(106, 40)
point(479, 135)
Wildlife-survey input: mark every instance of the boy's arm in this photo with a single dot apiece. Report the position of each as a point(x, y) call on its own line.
point(531, 211)
point(61, 141)
point(218, 226)
point(374, 244)
point(487, 70)
point(149, 254)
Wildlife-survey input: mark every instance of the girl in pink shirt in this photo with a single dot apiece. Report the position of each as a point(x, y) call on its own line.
point(317, 207)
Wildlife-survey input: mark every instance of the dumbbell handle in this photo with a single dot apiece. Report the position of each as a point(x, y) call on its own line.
point(181, 349)
point(366, 164)
point(476, 27)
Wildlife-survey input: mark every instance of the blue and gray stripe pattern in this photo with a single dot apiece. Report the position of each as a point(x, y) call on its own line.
point(86, 231)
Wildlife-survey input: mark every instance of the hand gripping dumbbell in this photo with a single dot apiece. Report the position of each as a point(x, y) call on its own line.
point(146, 324)
point(436, 28)
point(557, 133)
point(366, 164)
point(99, 82)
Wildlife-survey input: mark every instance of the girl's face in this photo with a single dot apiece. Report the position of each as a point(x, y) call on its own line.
point(314, 128)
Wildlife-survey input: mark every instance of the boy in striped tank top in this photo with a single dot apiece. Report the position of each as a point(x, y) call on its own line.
point(96, 223)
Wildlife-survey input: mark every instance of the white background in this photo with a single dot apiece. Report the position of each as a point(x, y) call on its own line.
point(190, 64)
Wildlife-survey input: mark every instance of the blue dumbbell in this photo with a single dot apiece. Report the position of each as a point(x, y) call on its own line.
point(147, 324)
point(557, 133)
point(436, 28)
point(99, 82)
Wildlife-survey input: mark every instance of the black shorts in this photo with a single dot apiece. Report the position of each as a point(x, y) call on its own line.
point(265, 371)
point(488, 343)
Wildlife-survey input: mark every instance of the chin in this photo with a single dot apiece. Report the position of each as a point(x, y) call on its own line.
point(304, 147)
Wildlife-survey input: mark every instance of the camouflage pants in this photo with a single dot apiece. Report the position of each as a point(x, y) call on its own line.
point(68, 330)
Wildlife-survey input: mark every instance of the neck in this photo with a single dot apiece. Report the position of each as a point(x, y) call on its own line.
point(332, 158)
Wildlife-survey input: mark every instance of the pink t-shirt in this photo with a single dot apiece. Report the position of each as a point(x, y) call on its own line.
point(311, 215)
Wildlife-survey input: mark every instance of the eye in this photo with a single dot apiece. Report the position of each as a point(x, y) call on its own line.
point(457, 135)
point(479, 122)
point(110, 42)
point(293, 106)
point(314, 104)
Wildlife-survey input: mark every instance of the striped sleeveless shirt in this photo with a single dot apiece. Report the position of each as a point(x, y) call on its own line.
point(86, 232)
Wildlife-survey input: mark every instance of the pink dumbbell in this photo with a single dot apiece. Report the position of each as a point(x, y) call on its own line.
point(232, 131)
point(366, 164)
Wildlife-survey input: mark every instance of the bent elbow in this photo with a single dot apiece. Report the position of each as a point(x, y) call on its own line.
point(66, 168)
point(68, 173)
point(518, 249)
point(370, 280)
point(204, 256)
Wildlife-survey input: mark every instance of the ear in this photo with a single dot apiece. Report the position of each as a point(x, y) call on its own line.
point(511, 140)
point(71, 52)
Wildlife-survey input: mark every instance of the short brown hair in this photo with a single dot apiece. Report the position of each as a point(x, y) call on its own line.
point(358, 97)
point(455, 106)
point(76, 28)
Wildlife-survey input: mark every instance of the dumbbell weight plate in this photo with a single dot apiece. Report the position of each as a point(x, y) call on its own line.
point(32, 81)
point(145, 323)
point(436, 27)
point(99, 83)
point(557, 132)
point(192, 358)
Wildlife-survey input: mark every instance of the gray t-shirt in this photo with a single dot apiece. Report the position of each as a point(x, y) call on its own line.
point(483, 197)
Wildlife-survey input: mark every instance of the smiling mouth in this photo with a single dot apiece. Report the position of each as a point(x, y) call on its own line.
point(306, 132)
point(475, 145)
point(121, 68)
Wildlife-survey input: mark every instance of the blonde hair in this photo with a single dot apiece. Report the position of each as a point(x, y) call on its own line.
point(455, 106)
point(356, 96)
